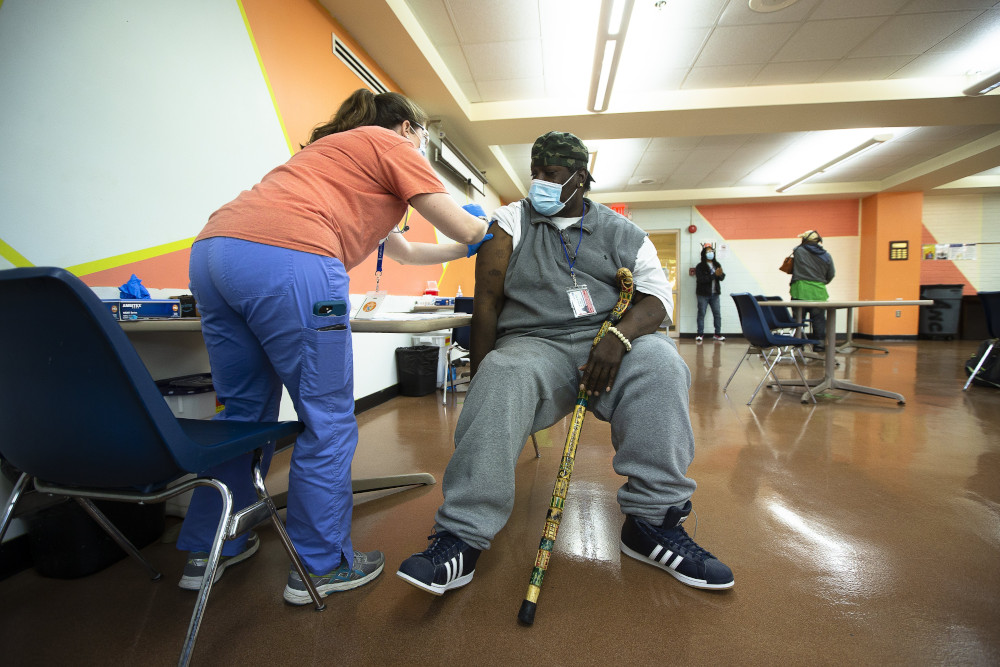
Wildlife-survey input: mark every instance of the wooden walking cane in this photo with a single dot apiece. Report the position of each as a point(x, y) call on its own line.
point(527, 613)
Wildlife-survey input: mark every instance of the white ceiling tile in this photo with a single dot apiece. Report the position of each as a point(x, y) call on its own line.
point(670, 45)
point(738, 12)
point(980, 35)
point(838, 9)
point(630, 83)
point(684, 14)
point(504, 60)
point(672, 144)
point(791, 73)
point(741, 45)
point(454, 59)
point(660, 164)
point(912, 34)
point(864, 69)
point(930, 64)
point(483, 21)
point(827, 40)
point(499, 90)
point(471, 91)
point(917, 6)
point(720, 77)
point(435, 20)
point(725, 141)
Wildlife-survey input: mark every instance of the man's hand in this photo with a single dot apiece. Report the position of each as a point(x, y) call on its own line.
point(602, 367)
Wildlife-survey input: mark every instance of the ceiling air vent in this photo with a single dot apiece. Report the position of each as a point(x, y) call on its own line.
point(355, 65)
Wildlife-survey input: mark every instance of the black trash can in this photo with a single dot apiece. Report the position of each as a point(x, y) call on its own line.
point(66, 543)
point(416, 369)
point(940, 321)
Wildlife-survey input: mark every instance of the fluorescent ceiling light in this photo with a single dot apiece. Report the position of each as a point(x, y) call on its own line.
point(617, 14)
point(983, 86)
point(857, 150)
point(613, 26)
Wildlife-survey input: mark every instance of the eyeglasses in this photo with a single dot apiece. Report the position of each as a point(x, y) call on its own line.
point(424, 138)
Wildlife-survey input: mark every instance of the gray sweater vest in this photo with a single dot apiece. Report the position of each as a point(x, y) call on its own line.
point(536, 300)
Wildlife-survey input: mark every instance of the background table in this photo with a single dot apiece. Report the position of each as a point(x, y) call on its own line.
point(830, 361)
point(168, 349)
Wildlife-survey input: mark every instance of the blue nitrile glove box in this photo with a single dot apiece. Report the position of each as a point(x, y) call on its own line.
point(145, 309)
point(113, 306)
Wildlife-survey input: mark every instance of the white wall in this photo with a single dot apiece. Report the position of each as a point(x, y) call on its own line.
point(125, 123)
point(751, 265)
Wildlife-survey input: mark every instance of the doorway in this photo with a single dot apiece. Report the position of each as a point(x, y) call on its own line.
point(667, 244)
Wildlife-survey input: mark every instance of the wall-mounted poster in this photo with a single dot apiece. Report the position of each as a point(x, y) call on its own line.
point(927, 251)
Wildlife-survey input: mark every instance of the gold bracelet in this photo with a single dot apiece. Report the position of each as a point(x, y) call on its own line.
point(622, 338)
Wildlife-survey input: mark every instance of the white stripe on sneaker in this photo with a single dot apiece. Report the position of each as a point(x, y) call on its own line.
point(656, 550)
point(665, 558)
point(677, 561)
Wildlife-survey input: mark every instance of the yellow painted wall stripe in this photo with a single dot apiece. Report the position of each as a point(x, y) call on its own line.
point(267, 80)
point(11, 255)
point(129, 257)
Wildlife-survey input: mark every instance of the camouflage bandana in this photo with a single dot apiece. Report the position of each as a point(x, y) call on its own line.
point(560, 148)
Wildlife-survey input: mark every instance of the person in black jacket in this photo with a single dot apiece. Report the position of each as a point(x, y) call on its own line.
point(708, 274)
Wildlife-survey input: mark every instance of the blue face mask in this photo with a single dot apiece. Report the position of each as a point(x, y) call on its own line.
point(709, 255)
point(424, 135)
point(546, 196)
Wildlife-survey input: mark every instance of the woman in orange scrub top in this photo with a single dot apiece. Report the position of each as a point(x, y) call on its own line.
point(257, 270)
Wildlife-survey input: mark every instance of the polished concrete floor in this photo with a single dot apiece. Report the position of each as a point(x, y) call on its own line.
point(859, 532)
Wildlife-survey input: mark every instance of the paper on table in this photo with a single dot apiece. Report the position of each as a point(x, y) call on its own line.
point(413, 316)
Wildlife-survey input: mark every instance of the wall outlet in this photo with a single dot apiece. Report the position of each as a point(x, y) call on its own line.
point(899, 313)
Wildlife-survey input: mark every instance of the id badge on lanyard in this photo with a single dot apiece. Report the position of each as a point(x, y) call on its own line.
point(579, 301)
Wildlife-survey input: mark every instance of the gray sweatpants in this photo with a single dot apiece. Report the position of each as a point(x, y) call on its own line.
point(527, 384)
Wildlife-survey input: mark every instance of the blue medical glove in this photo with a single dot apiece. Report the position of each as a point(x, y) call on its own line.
point(476, 210)
point(474, 248)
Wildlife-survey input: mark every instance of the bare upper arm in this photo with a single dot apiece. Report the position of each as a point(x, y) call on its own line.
point(491, 269)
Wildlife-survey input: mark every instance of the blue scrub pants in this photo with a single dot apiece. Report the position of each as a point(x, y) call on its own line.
point(256, 304)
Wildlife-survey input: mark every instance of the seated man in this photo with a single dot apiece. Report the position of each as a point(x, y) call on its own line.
point(544, 285)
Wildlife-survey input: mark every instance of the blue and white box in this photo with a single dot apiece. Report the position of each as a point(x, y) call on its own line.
point(145, 309)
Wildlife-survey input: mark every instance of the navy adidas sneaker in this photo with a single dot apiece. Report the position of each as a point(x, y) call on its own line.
point(447, 563)
point(668, 547)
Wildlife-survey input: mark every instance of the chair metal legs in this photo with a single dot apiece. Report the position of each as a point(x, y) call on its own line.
point(265, 499)
point(8, 511)
point(230, 525)
point(122, 541)
point(982, 359)
point(769, 369)
point(742, 359)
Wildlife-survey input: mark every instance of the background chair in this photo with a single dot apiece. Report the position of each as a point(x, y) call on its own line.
point(81, 417)
point(457, 354)
point(782, 316)
point(991, 306)
point(763, 341)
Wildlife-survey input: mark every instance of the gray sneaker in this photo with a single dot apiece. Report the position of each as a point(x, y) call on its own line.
point(367, 566)
point(194, 570)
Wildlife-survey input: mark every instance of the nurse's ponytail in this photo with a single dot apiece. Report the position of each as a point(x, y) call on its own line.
point(364, 107)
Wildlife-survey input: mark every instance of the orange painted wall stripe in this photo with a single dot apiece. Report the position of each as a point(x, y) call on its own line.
point(783, 220)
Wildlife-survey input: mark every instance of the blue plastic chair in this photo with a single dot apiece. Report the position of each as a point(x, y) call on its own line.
point(763, 341)
point(991, 308)
point(458, 352)
point(81, 417)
